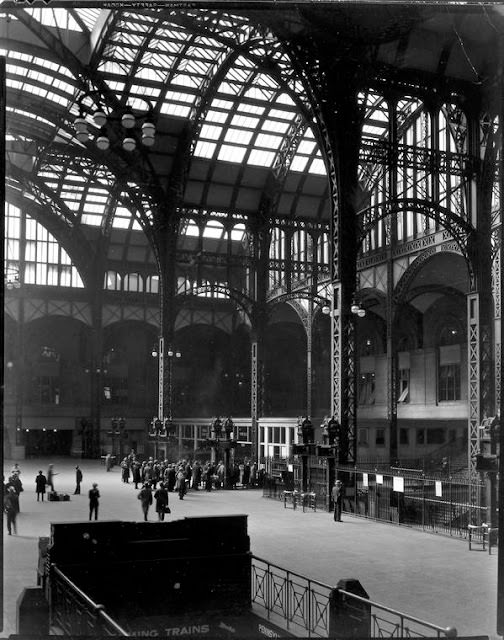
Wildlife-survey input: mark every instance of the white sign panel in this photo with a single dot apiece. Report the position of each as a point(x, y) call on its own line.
point(398, 484)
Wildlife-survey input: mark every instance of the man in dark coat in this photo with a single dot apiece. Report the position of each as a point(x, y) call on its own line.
point(78, 480)
point(338, 493)
point(40, 485)
point(145, 497)
point(94, 496)
point(11, 508)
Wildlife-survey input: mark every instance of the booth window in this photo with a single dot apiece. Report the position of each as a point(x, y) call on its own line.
point(380, 437)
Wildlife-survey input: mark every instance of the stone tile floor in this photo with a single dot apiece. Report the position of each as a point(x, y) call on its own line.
point(428, 576)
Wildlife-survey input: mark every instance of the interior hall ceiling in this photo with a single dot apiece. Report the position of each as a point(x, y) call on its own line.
point(228, 104)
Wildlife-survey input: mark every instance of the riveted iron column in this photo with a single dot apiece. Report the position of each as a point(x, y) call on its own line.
point(500, 405)
point(309, 348)
point(258, 286)
point(391, 238)
point(346, 122)
point(480, 308)
point(167, 230)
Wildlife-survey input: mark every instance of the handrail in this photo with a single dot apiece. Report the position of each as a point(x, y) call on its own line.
point(293, 573)
point(98, 609)
point(449, 632)
point(266, 596)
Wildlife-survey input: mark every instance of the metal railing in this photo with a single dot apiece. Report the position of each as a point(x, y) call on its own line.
point(297, 600)
point(75, 613)
point(307, 606)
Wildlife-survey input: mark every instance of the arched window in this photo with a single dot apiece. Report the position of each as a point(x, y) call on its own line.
point(276, 254)
point(152, 284)
point(133, 282)
point(323, 249)
point(112, 281)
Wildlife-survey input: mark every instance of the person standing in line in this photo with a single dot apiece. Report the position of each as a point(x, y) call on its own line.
point(145, 497)
point(40, 485)
point(78, 480)
point(161, 497)
point(11, 508)
point(94, 501)
point(50, 476)
point(338, 492)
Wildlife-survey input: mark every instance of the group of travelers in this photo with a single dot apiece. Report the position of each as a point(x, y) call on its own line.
point(186, 474)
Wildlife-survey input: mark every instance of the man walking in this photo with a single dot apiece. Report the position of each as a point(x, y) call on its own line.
point(78, 480)
point(94, 495)
point(40, 485)
point(338, 492)
point(145, 497)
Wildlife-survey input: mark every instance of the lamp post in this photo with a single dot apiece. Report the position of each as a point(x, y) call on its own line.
point(117, 433)
point(228, 443)
point(162, 428)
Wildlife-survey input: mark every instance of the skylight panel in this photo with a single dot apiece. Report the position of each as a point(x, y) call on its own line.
point(205, 149)
point(186, 80)
point(256, 93)
point(61, 18)
point(227, 105)
point(261, 158)
point(254, 109)
point(178, 110)
point(91, 220)
point(274, 125)
point(180, 97)
point(89, 16)
point(318, 167)
point(232, 154)
point(210, 132)
point(120, 223)
point(299, 163)
point(231, 88)
point(216, 116)
point(244, 121)
point(285, 98)
point(268, 142)
point(306, 147)
point(238, 136)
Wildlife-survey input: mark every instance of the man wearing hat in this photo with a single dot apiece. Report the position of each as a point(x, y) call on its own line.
point(78, 480)
point(338, 492)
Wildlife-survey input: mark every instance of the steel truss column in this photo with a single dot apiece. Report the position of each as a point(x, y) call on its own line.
point(473, 378)
point(343, 396)
point(309, 349)
point(391, 238)
point(254, 396)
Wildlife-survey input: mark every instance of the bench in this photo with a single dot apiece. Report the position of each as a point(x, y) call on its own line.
point(486, 535)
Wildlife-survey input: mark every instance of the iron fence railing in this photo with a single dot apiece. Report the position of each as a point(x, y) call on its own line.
point(300, 602)
point(309, 607)
point(75, 613)
point(407, 497)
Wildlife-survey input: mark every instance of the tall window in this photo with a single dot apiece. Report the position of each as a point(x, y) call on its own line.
point(45, 260)
point(449, 382)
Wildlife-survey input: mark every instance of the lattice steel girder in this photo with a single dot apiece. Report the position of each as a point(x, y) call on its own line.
point(382, 152)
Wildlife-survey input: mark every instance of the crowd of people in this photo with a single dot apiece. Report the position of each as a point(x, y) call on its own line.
point(185, 474)
point(155, 479)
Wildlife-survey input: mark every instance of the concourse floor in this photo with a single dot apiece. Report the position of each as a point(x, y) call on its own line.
point(428, 576)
